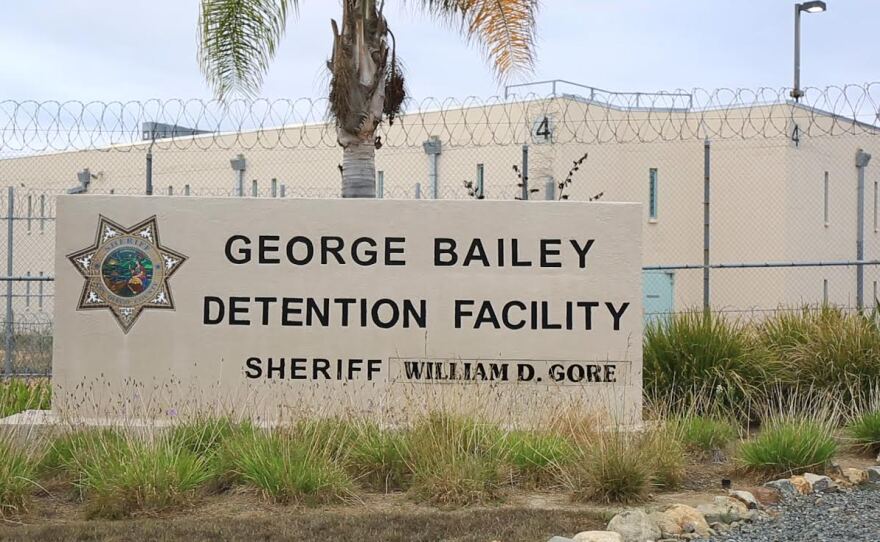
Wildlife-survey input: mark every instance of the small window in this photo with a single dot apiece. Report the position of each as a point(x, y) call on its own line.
point(652, 194)
point(825, 188)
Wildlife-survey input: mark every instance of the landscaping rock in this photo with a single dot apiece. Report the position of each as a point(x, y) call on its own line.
point(818, 483)
point(634, 526)
point(873, 474)
point(802, 485)
point(855, 476)
point(783, 486)
point(560, 539)
point(598, 536)
point(746, 498)
point(686, 519)
point(766, 496)
point(667, 525)
point(723, 510)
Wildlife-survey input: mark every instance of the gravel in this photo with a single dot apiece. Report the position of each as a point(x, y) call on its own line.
point(846, 516)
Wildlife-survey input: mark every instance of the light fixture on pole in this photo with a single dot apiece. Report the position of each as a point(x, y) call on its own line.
point(816, 6)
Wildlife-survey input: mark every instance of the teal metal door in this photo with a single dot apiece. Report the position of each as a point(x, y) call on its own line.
point(659, 292)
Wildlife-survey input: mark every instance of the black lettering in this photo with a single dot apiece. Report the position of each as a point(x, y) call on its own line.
point(254, 368)
point(370, 254)
point(291, 250)
point(459, 312)
point(547, 251)
point(505, 315)
point(217, 302)
point(244, 253)
point(395, 313)
point(487, 315)
point(616, 313)
point(582, 251)
point(326, 249)
point(476, 252)
point(235, 310)
point(288, 310)
point(391, 250)
point(298, 368)
point(265, 248)
point(265, 301)
point(321, 366)
point(440, 250)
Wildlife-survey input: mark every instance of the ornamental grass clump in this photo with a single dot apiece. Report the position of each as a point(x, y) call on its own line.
point(140, 475)
point(17, 474)
point(377, 458)
point(791, 443)
point(616, 467)
point(704, 434)
point(827, 349)
point(706, 352)
point(289, 469)
point(536, 456)
point(864, 429)
point(456, 460)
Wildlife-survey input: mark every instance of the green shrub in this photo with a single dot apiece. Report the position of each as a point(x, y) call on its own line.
point(17, 395)
point(206, 438)
point(790, 444)
point(17, 472)
point(455, 460)
point(864, 428)
point(615, 468)
point(535, 456)
point(826, 348)
point(703, 434)
point(377, 459)
point(288, 469)
point(704, 355)
point(119, 481)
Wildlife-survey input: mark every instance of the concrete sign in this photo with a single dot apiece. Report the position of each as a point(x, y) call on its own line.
point(277, 308)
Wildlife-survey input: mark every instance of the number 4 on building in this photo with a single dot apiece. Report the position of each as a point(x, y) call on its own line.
point(543, 129)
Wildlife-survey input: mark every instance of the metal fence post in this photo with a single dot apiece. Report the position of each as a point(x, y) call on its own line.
point(707, 160)
point(380, 184)
point(418, 190)
point(525, 172)
point(550, 190)
point(9, 346)
point(862, 159)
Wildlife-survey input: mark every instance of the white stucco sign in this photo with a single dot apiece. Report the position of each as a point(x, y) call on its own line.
point(275, 307)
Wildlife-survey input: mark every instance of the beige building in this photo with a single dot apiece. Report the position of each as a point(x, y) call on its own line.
point(783, 182)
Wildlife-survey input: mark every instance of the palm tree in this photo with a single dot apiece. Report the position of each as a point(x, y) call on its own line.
point(238, 38)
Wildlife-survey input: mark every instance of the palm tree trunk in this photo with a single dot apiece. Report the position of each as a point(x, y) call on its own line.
point(359, 170)
point(357, 91)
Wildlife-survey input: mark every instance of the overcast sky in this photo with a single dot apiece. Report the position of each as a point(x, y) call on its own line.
point(140, 49)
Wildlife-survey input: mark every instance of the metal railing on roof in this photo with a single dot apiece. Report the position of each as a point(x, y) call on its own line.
point(618, 100)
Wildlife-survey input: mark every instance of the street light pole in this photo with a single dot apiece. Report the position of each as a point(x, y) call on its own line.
point(817, 6)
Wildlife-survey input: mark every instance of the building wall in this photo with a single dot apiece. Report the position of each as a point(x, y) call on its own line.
point(767, 194)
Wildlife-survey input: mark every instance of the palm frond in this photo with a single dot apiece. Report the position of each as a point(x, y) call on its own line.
point(504, 28)
point(237, 40)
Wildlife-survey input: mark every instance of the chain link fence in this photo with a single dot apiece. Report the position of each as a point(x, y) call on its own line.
point(752, 202)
